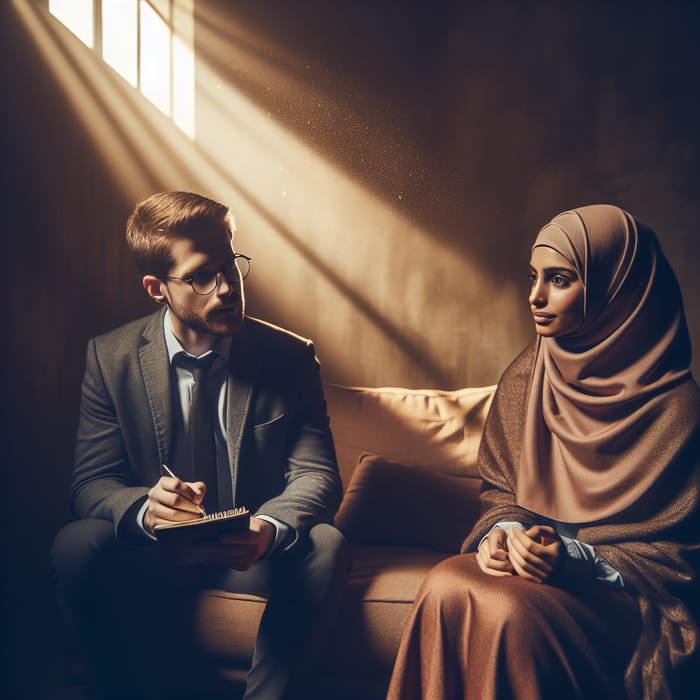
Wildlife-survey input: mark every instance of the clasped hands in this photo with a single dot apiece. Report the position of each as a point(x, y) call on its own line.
point(532, 554)
point(172, 500)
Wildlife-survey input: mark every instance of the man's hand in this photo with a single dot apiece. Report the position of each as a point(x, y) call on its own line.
point(172, 500)
point(240, 550)
point(534, 552)
point(492, 554)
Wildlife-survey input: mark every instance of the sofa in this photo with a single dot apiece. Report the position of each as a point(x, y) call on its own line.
point(407, 458)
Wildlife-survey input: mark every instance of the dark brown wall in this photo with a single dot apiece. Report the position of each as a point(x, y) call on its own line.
point(61, 249)
point(486, 119)
point(446, 134)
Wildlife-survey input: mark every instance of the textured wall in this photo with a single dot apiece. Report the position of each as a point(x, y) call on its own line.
point(390, 163)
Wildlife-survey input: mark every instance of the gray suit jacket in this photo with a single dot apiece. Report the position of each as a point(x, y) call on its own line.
point(280, 445)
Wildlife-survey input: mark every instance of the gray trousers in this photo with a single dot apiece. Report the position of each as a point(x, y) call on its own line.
point(131, 613)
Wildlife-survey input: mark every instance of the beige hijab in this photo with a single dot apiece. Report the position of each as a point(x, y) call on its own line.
point(592, 441)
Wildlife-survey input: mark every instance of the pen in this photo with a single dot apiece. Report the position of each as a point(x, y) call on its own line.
point(170, 472)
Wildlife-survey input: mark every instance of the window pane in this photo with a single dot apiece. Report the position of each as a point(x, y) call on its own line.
point(155, 58)
point(119, 50)
point(77, 15)
point(183, 87)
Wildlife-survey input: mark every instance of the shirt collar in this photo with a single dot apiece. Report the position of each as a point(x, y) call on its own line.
point(222, 346)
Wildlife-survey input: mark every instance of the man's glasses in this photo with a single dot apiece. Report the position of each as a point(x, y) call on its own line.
point(205, 282)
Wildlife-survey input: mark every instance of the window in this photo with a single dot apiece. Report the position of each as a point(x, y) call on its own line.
point(148, 42)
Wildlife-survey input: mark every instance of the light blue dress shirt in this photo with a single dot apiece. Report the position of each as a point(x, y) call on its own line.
point(218, 374)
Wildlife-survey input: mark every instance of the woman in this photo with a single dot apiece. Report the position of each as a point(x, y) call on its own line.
point(580, 578)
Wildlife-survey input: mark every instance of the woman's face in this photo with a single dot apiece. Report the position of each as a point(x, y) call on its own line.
point(556, 293)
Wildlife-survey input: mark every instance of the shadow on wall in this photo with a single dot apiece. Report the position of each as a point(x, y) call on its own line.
point(473, 123)
point(389, 194)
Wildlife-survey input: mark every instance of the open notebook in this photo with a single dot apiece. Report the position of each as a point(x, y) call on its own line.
point(182, 536)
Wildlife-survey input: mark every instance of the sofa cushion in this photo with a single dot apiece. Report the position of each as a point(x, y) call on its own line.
point(388, 503)
point(377, 601)
point(436, 429)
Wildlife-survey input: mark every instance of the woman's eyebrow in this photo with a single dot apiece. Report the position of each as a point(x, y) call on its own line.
point(555, 270)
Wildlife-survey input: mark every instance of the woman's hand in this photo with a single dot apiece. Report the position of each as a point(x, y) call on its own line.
point(492, 554)
point(534, 553)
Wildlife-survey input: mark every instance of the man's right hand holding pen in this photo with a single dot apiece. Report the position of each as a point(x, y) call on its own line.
point(172, 500)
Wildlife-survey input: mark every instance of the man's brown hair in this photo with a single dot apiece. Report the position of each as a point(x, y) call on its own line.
point(157, 220)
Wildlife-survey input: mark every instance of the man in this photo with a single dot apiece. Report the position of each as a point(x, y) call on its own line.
point(197, 408)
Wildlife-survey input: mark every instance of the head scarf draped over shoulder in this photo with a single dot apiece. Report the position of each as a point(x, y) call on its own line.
point(593, 441)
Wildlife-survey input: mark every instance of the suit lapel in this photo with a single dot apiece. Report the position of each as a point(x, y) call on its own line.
point(243, 369)
point(155, 370)
point(244, 365)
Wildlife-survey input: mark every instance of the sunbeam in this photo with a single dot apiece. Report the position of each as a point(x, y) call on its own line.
point(332, 259)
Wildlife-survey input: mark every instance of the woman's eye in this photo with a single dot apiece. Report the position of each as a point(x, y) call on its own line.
point(532, 278)
point(560, 281)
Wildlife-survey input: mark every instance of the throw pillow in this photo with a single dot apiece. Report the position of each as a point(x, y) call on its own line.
point(389, 503)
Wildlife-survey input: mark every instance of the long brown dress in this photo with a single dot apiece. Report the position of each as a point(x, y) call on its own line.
point(480, 637)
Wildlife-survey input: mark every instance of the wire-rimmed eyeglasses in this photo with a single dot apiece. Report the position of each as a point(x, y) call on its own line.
point(205, 281)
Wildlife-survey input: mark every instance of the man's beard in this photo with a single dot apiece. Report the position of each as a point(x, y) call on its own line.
point(218, 324)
